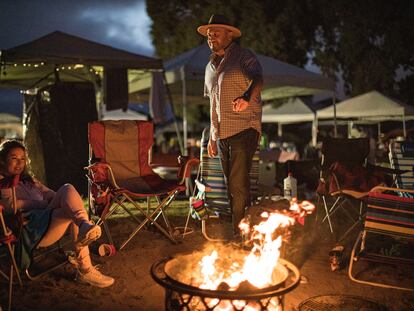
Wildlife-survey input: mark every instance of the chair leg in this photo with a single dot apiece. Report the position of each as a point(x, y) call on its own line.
point(186, 224)
point(205, 233)
point(14, 264)
point(34, 277)
point(349, 230)
point(108, 233)
point(151, 218)
point(327, 214)
point(10, 288)
point(46, 253)
point(353, 277)
point(333, 208)
point(186, 229)
point(356, 222)
point(13, 269)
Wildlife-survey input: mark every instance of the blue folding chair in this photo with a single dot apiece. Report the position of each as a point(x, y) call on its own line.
point(210, 199)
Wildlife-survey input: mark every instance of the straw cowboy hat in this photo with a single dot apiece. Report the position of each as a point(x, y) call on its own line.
point(218, 20)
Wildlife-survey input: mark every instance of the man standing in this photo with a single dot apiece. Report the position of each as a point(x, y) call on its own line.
point(233, 81)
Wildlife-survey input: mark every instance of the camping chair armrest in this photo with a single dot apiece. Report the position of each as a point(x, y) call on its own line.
point(186, 163)
point(383, 188)
point(96, 165)
point(386, 170)
point(103, 173)
point(337, 184)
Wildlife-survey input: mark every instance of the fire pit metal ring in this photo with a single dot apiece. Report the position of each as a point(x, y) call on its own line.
point(186, 292)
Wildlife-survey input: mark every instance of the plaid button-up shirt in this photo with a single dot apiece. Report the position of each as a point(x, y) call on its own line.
point(226, 81)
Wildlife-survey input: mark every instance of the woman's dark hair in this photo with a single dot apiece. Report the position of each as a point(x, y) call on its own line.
point(5, 148)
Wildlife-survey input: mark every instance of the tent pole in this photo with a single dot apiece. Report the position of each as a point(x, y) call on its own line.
point(404, 129)
point(334, 107)
point(279, 130)
point(177, 131)
point(185, 133)
point(184, 110)
point(98, 85)
point(379, 130)
point(350, 126)
point(314, 130)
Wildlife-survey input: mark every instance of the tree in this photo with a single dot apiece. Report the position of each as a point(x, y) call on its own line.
point(266, 25)
point(370, 43)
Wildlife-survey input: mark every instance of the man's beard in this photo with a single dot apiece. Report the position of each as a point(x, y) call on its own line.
point(214, 48)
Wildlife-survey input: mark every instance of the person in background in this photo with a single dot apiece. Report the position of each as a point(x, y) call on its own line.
point(233, 81)
point(47, 214)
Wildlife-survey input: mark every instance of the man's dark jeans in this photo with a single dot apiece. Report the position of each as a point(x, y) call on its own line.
point(236, 154)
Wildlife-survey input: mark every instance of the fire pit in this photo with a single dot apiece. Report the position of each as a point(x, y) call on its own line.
point(182, 294)
point(227, 277)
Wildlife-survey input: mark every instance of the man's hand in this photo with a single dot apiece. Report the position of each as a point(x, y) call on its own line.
point(239, 104)
point(212, 148)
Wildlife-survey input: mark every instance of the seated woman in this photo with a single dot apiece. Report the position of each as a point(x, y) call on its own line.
point(48, 214)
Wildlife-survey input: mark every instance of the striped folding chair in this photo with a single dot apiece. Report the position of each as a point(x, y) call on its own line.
point(210, 199)
point(390, 217)
point(401, 154)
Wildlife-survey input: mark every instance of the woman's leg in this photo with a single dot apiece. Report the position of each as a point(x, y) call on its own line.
point(68, 198)
point(68, 211)
point(59, 223)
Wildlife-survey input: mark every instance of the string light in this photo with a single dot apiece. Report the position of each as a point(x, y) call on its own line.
point(29, 64)
point(94, 70)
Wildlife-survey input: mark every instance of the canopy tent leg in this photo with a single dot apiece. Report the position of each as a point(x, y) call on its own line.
point(314, 130)
point(334, 108)
point(185, 133)
point(185, 130)
point(379, 130)
point(404, 129)
point(279, 130)
point(350, 126)
point(180, 141)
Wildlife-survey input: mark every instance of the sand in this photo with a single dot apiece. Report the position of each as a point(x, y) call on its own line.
point(135, 289)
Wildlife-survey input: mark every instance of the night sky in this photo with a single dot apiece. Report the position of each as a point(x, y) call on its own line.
point(123, 24)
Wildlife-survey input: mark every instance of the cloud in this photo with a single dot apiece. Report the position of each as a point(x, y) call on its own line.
point(127, 25)
point(121, 24)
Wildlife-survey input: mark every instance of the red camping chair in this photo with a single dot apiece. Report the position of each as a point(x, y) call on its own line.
point(119, 175)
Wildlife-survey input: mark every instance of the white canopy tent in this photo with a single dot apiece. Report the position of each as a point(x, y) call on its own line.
point(184, 75)
point(281, 80)
point(371, 106)
point(10, 126)
point(294, 110)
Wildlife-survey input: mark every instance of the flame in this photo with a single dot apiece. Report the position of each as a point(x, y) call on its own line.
point(258, 266)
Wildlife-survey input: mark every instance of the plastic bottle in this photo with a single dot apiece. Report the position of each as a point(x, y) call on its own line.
point(289, 187)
